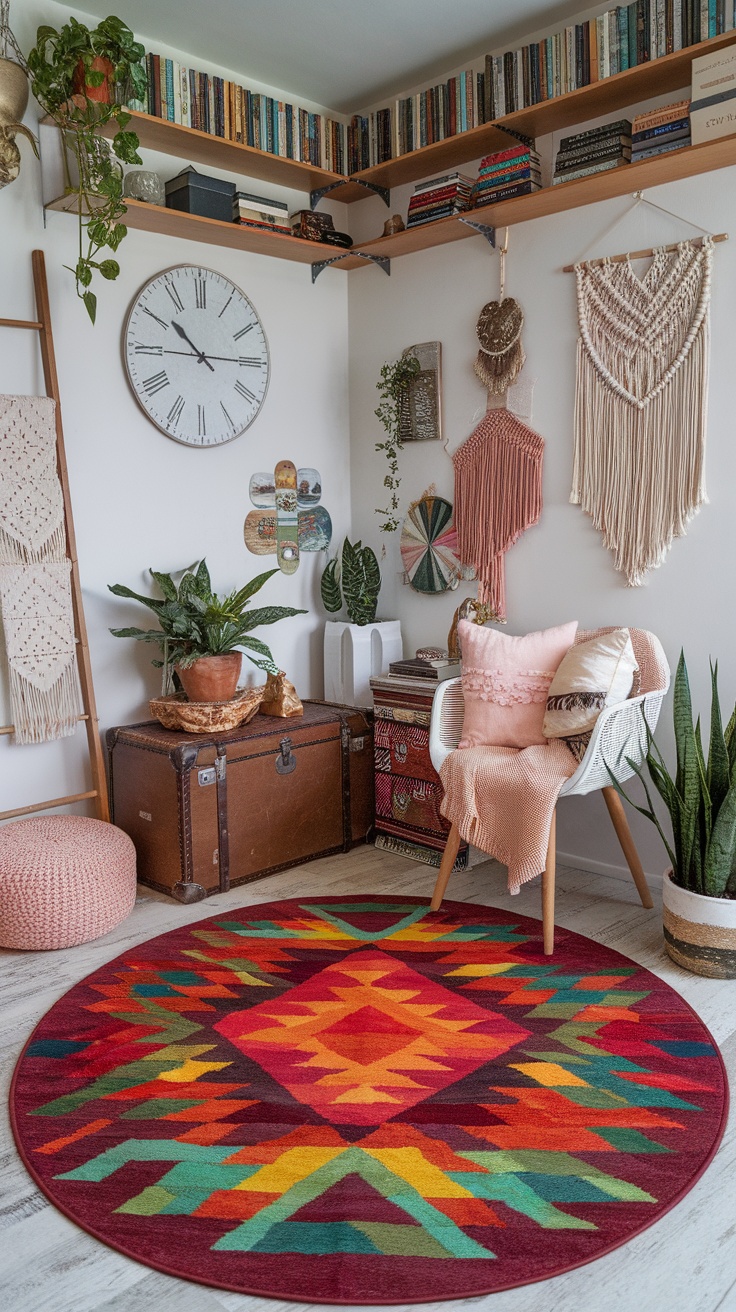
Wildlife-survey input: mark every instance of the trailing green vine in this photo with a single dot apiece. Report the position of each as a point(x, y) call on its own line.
point(393, 385)
point(69, 70)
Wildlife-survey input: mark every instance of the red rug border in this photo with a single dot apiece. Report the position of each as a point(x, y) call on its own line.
point(338, 1302)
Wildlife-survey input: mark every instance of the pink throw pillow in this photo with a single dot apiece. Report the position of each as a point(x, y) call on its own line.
point(506, 681)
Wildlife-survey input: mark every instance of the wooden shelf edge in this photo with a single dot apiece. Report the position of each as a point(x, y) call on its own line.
point(215, 232)
point(687, 162)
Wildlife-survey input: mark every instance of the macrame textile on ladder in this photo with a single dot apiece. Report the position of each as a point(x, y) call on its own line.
point(641, 401)
point(35, 593)
point(498, 494)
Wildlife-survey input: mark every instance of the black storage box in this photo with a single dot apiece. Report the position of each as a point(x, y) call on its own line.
point(198, 193)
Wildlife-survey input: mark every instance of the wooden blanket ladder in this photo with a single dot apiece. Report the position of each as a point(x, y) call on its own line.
point(98, 791)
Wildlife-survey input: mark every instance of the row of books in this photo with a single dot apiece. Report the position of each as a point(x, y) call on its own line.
point(506, 174)
point(661, 130)
point(581, 53)
point(575, 56)
point(439, 198)
point(225, 109)
point(417, 120)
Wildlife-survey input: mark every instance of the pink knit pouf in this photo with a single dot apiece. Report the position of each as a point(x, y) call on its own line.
point(64, 879)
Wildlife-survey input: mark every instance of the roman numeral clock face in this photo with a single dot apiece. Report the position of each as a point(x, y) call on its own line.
point(196, 356)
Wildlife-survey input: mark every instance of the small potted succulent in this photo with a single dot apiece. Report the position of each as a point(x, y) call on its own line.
point(79, 76)
point(201, 634)
point(363, 647)
point(699, 892)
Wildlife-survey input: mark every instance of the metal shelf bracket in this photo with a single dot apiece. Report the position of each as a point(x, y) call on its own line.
point(381, 260)
point(384, 192)
point(485, 229)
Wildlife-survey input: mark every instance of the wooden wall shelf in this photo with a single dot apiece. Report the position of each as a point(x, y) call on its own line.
point(659, 77)
point(214, 232)
point(684, 163)
point(655, 78)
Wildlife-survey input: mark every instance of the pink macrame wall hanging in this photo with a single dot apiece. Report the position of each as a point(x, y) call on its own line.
point(498, 494)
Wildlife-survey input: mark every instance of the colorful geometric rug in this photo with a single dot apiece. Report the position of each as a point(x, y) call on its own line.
point(357, 1100)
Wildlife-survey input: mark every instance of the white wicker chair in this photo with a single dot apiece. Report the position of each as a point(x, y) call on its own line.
point(619, 733)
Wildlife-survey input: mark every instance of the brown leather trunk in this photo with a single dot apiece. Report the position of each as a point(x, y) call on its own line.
point(207, 812)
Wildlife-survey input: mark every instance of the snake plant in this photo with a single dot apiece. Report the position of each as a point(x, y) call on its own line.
point(359, 574)
point(701, 799)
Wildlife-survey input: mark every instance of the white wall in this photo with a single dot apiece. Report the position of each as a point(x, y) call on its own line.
point(559, 570)
point(140, 499)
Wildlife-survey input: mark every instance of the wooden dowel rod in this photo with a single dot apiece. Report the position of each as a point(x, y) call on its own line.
point(48, 806)
point(639, 255)
point(10, 728)
point(20, 323)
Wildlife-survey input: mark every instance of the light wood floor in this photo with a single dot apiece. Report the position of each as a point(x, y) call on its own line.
point(684, 1263)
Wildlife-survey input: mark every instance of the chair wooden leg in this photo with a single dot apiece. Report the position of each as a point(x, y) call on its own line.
point(628, 846)
point(548, 891)
point(445, 870)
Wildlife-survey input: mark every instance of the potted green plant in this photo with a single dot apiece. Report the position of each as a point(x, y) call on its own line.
point(363, 647)
point(77, 76)
point(699, 892)
point(393, 385)
point(201, 633)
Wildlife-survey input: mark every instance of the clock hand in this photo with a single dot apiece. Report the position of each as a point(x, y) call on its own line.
point(201, 357)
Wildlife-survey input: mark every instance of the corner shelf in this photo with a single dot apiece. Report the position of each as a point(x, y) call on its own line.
point(215, 232)
point(655, 78)
point(686, 162)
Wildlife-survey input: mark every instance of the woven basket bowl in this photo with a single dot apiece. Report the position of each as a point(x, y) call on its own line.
point(207, 717)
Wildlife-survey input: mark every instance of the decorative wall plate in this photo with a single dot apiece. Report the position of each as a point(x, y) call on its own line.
point(288, 518)
point(429, 546)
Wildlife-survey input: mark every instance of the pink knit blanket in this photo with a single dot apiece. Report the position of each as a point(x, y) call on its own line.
point(502, 800)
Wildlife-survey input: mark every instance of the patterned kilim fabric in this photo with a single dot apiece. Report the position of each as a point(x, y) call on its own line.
point(361, 1101)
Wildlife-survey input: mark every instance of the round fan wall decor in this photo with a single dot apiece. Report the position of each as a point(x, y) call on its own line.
point(429, 546)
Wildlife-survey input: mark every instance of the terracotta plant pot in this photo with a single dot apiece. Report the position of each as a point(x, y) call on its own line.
point(699, 932)
point(102, 93)
point(212, 678)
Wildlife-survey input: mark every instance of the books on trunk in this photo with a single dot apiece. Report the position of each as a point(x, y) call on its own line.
point(439, 198)
point(661, 130)
point(596, 151)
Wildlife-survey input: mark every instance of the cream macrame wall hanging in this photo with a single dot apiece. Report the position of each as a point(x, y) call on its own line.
point(35, 594)
point(641, 400)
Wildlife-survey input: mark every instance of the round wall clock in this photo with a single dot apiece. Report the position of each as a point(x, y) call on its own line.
point(196, 356)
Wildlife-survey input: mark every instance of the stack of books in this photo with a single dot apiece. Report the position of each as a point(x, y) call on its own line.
point(595, 151)
point(439, 198)
point(661, 130)
point(260, 212)
point(429, 671)
point(507, 173)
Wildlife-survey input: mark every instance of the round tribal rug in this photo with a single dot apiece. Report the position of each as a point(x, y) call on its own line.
point(357, 1100)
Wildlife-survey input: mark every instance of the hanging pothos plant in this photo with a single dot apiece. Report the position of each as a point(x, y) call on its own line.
point(76, 75)
point(393, 385)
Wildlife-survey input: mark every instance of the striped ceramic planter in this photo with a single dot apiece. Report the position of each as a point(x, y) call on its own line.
point(699, 932)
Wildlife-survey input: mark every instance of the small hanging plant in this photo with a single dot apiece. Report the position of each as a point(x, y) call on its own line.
point(393, 385)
